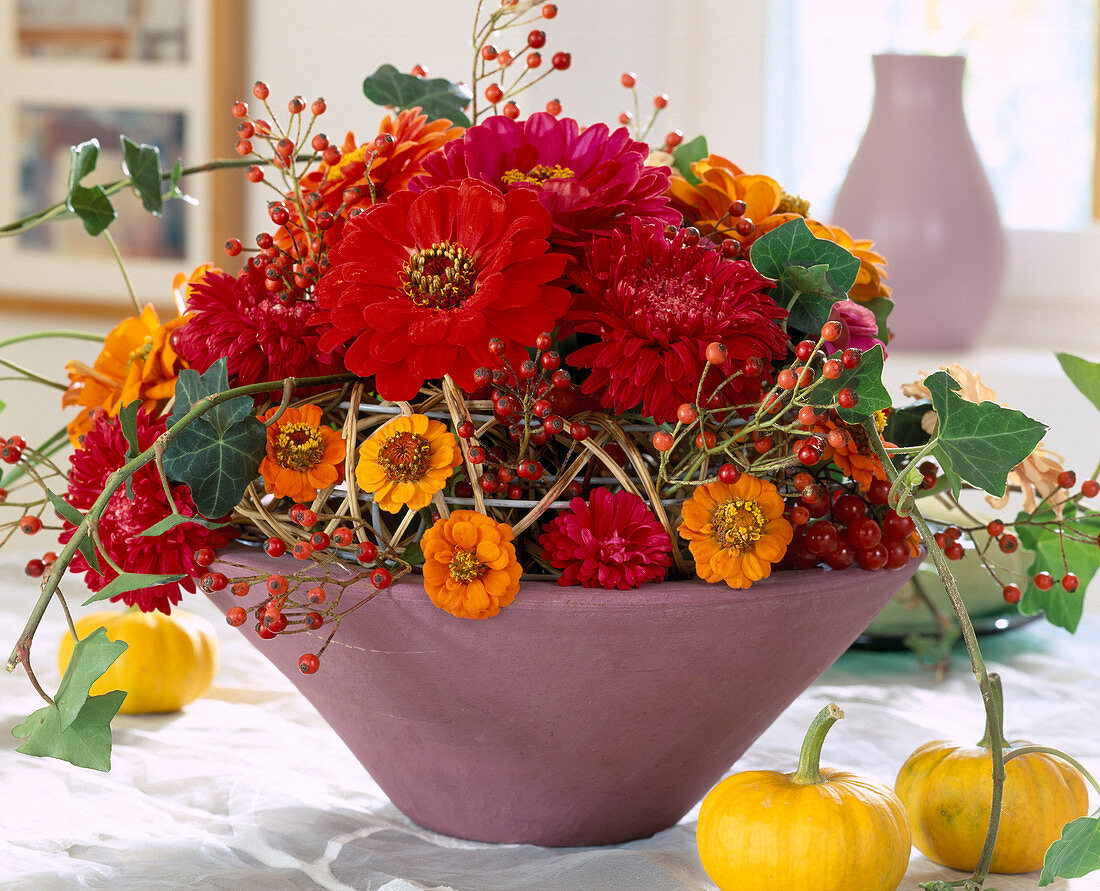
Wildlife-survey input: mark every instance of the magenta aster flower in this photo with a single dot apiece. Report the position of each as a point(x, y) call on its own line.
point(655, 304)
point(593, 181)
point(262, 338)
point(124, 519)
point(613, 541)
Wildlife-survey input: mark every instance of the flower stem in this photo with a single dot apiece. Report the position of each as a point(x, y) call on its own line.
point(809, 759)
point(122, 269)
point(39, 335)
point(977, 663)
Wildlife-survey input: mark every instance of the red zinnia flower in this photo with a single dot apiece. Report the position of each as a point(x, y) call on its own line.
point(593, 181)
point(424, 281)
point(125, 518)
point(613, 541)
point(262, 338)
point(655, 304)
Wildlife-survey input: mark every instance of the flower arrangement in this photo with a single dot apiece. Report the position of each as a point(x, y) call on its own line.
point(476, 349)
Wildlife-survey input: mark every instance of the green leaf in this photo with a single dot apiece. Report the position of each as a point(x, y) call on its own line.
point(983, 441)
point(218, 454)
point(173, 185)
point(142, 164)
point(1084, 374)
point(91, 204)
point(1062, 608)
point(1076, 853)
point(793, 244)
point(436, 97)
point(686, 154)
point(881, 307)
point(70, 513)
point(865, 380)
point(131, 581)
point(77, 727)
point(83, 159)
point(93, 207)
point(173, 520)
point(903, 426)
point(127, 417)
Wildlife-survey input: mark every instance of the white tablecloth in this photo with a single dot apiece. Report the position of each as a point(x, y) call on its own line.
point(248, 788)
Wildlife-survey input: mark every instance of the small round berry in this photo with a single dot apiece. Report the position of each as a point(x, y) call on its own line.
point(660, 100)
point(240, 589)
point(316, 595)
point(213, 581)
point(261, 90)
point(717, 353)
point(745, 227)
point(864, 533)
point(822, 538)
point(244, 147)
point(561, 61)
point(236, 616)
point(419, 71)
point(662, 440)
point(628, 79)
point(832, 369)
point(804, 349)
point(493, 93)
point(752, 366)
point(306, 518)
point(851, 357)
point(872, 558)
point(1012, 594)
point(728, 474)
point(239, 109)
point(275, 547)
point(302, 550)
point(879, 492)
point(342, 536)
point(625, 117)
point(510, 110)
point(995, 528)
point(1043, 581)
point(831, 331)
point(686, 413)
point(706, 440)
point(233, 247)
point(296, 105)
point(847, 397)
point(1070, 582)
point(799, 515)
point(320, 541)
point(953, 532)
point(497, 346)
point(308, 663)
point(476, 454)
point(674, 138)
point(204, 556)
point(786, 379)
point(381, 577)
point(549, 10)
point(30, 524)
point(1090, 488)
point(1067, 479)
point(366, 552)
point(580, 431)
point(1008, 543)
point(277, 584)
point(536, 39)
point(488, 52)
point(554, 107)
point(35, 568)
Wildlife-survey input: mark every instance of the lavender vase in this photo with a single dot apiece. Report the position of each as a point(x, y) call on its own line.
point(917, 188)
point(577, 716)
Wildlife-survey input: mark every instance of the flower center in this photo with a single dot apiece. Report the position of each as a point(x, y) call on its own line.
point(142, 352)
point(299, 447)
point(737, 524)
point(439, 277)
point(405, 457)
point(465, 567)
point(538, 174)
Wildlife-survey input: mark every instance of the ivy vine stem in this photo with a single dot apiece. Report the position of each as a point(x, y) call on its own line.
point(977, 663)
point(118, 477)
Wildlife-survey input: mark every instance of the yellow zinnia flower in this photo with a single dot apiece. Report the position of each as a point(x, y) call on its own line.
point(470, 566)
point(736, 532)
point(405, 462)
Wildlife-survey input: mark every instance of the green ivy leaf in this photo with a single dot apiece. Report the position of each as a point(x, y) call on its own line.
point(865, 380)
point(1062, 608)
point(982, 441)
point(91, 204)
point(77, 727)
point(881, 307)
point(218, 454)
point(903, 426)
point(131, 581)
point(173, 520)
point(1084, 374)
point(127, 418)
point(70, 513)
point(1075, 854)
point(436, 97)
point(142, 164)
point(686, 154)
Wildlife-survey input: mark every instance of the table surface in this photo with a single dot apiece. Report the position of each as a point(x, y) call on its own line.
point(247, 787)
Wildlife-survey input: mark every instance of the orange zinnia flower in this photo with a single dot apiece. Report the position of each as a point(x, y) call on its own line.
point(137, 363)
point(414, 137)
point(736, 532)
point(406, 462)
point(854, 457)
point(470, 566)
point(303, 455)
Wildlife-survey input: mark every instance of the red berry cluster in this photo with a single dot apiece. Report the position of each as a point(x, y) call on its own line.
point(11, 449)
point(491, 62)
point(660, 102)
point(840, 528)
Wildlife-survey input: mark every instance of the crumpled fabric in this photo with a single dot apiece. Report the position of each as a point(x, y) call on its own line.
point(248, 788)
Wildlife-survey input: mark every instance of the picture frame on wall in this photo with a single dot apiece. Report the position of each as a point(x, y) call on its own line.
point(155, 71)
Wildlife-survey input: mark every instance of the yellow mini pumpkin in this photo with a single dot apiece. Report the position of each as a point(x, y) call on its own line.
point(810, 830)
point(947, 789)
point(169, 661)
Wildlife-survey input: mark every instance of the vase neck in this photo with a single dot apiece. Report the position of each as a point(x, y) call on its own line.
point(910, 84)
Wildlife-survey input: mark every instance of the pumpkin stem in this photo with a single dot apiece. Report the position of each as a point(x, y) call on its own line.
point(809, 759)
point(986, 742)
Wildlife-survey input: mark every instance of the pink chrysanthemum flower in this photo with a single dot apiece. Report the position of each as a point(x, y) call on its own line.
point(262, 338)
point(655, 304)
point(593, 181)
point(613, 541)
point(124, 519)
